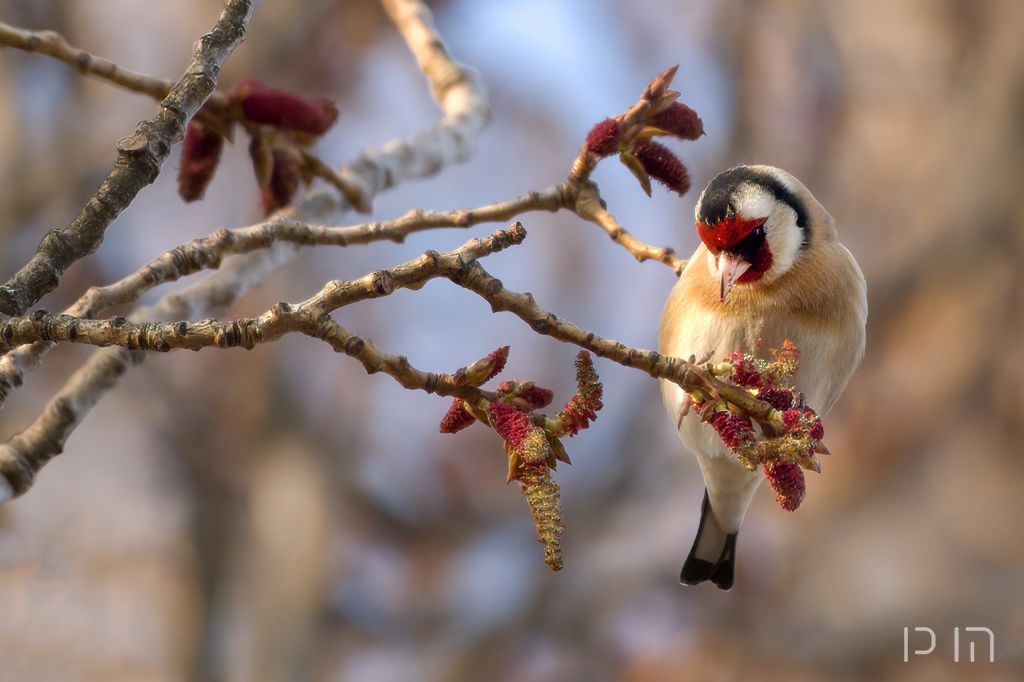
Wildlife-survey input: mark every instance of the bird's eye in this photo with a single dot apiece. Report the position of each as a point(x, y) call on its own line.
point(751, 244)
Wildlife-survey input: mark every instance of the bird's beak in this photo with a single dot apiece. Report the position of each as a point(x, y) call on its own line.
point(730, 268)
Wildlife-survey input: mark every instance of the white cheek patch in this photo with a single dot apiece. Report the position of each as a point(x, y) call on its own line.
point(784, 238)
point(781, 231)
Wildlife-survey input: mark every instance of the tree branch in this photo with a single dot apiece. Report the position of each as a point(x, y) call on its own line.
point(25, 454)
point(583, 198)
point(465, 113)
point(138, 164)
point(686, 373)
point(458, 91)
point(248, 332)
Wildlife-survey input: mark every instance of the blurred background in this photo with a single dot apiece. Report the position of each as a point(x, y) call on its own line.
point(277, 514)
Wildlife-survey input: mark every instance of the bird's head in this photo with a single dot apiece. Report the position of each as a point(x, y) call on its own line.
point(755, 221)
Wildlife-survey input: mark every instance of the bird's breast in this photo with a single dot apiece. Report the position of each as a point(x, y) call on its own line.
point(824, 318)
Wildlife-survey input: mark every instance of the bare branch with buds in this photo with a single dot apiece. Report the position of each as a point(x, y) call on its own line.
point(139, 159)
point(750, 402)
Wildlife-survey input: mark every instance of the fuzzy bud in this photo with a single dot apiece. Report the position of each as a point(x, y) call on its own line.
point(499, 357)
point(285, 110)
point(542, 494)
point(679, 120)
point(734, 430)
point(779, 397)
point(662, 165)
point(806, 419)
point(285, 176)
point(787, 480)
point(788, 358)
point(745, 370)
point(792, 418)
point(457, 417)
point(487, 368)
point(512, 425)
point(816, 429)
point(604, 137)
point(537, 396)
point(200, 154)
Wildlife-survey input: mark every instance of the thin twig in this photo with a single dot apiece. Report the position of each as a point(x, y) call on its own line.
point(584, 199)
point(55, 45)
point(209, 252)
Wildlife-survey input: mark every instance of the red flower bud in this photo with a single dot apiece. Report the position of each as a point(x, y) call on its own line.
point(285, 176)
point(817, 429)
point(734, 430)
point(200, 155)
point(511, 424)
point(679, 120)
point(537, 397)
point(791, 418)
point(779, 397)
point(457, 418)
point(604, 137)
point(787, 480)
point(662, 165)
point(500, 357)
point(745, 371)
point(285, 110)
point(806, 418)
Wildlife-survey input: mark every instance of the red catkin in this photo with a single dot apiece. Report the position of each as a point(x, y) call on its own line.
point(511, 424)
point(456, 418)
point(286, 110)
point(200, 154)
point(604, 137)
point(285, 176)
point(787, 480)
point(733, 429)
point(662, 165)
point(537, 396)
point(679, 120)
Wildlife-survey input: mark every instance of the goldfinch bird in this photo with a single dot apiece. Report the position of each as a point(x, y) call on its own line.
point(770, 268)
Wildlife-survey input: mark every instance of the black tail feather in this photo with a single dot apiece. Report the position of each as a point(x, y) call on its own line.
point(721, 572)
point(726, 569)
